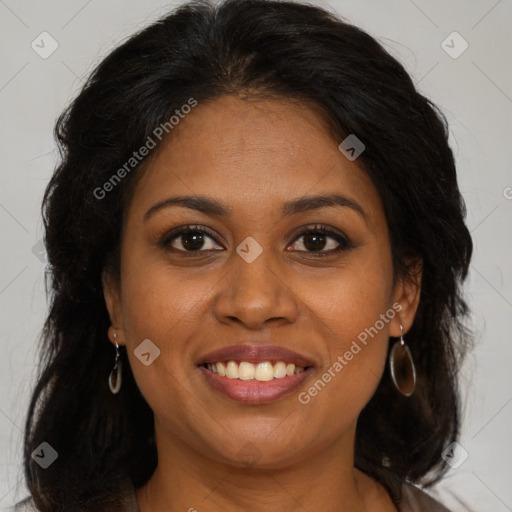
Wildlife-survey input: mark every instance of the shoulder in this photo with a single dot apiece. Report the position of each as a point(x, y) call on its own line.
point(415, 499)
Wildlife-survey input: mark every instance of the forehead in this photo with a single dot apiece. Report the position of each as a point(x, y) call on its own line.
point(253, 154)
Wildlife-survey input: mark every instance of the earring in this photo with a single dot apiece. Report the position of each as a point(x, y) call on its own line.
point(401, 364)
point(114, 379)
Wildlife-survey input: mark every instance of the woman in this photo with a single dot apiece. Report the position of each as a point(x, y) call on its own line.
point(256, 245)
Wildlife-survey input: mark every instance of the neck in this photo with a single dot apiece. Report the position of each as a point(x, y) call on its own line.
point(324, 480)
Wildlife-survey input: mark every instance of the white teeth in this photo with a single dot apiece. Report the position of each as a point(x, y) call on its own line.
point(232, 370)
point(279, 370)
point(246, 371)
point(221, 369)
point(263, 371)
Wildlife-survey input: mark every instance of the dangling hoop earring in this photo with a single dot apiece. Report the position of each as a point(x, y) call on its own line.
point(114, 379)
point(401, 365)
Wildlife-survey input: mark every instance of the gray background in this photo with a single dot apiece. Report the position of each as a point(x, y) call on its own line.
point(475, 92)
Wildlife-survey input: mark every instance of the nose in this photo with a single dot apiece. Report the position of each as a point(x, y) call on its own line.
point(255, 294)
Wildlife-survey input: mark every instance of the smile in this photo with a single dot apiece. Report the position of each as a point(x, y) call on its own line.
point(254, 383)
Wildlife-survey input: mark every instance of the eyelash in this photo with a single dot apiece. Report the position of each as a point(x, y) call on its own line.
point(343, 241)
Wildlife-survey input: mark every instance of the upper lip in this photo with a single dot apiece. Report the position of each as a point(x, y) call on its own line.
point(254, 354)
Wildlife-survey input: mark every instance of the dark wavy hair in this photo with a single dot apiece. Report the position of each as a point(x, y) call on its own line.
point(277, 49)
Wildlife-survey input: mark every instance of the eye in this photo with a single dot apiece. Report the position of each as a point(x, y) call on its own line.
point(190, 239)
point(318, 240)
point(321, 240)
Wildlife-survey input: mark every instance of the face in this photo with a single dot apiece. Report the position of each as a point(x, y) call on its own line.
point(259, 269)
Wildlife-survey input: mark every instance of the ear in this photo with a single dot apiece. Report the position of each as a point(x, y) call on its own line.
point(407, 294)
point(111, 294)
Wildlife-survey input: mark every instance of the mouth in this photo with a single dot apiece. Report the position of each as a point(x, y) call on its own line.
point(254, 384)
point(255, 374)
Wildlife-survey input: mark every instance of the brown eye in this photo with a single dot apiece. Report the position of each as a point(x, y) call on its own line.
point(321, 240)
point(189, 239)
point(192, 241)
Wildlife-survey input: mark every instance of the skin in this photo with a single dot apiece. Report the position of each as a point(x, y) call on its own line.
point(253, 155)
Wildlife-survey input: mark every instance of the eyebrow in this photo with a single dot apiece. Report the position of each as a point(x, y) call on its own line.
point(301, 204)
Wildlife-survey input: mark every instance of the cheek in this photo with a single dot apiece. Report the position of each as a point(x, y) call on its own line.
point(162, 306)
point(159, 306)
point(353, 312)
point(352, 299)
point(156, 299)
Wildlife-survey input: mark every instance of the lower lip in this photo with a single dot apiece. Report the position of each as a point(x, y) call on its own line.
point(254, 391)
